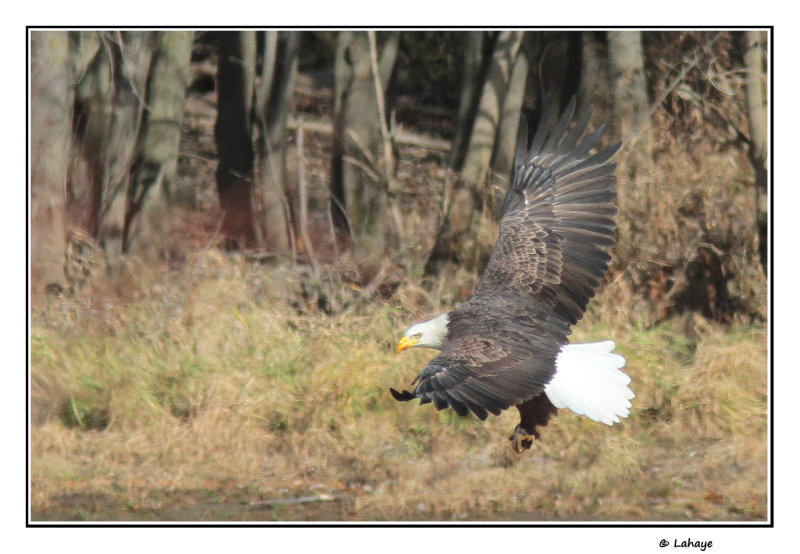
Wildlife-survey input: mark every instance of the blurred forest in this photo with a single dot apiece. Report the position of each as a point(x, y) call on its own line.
point(376, 159)
point(230, 228)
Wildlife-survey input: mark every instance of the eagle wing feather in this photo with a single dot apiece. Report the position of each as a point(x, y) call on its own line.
point(557, 220)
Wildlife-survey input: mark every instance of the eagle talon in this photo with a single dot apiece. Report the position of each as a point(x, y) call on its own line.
point(521, 440)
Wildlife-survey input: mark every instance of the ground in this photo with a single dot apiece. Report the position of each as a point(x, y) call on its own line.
point(199, 395)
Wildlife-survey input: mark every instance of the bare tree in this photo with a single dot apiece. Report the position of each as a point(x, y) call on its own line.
point(233, 136)
point(125, 110)
point(273, 95)
point(358, 182)
point(493, 96)
point(457, 236)
point(474, 67)
point(593, 89)
point(146, 224)
point(755, 59)
point(111, 74)
point(629, 94)
point(108, 104)
point(507, 132)
point(50, 142)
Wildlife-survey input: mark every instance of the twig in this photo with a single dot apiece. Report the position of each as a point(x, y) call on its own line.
point(397, 217)
point(364, 167)
point(346, 218)
point(332, 228)
point(388, 155)
point(287, 213)
point(303, 198)
point(400, 137)
point(365, 151)
point(300, 500)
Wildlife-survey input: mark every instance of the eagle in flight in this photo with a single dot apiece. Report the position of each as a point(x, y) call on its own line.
point(507, 345)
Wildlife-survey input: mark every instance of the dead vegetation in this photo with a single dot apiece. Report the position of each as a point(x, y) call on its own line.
point(688, 235)
point(202, 395)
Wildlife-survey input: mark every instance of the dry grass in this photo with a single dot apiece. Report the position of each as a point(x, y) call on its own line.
point(191, 395)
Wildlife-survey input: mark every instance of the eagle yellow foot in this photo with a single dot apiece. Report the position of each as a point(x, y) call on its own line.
point(521, 440)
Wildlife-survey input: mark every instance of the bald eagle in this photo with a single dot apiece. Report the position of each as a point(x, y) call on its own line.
point(507, 345)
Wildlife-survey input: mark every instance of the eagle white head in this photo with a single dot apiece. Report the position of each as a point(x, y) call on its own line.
point(425, 334)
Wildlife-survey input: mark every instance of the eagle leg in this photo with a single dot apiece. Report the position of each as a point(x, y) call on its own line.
point(536, 411)
point(521, 440)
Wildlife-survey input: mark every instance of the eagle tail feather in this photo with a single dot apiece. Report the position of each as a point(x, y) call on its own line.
point(589, 381)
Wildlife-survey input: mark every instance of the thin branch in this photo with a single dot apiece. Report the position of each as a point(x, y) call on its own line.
point(400, 137)
point(388, 155)
point(364, 167)
point(332, 229)
point(346, 218)
point(357, 140)
point(303, 199)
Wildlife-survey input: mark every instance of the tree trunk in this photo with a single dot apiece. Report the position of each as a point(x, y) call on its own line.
point(92, 126)
point(631, 110)
point(273, 96)
point(473, 74)
point(629, 93)
point(233, 136)
point(507, 134)
point(50, 142)
point(593, 89)
point(155, 164)
point(364, 200)
point(756, 61)
point(342, 74)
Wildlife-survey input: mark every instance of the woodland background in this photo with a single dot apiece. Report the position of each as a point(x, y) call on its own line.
point(230, 228)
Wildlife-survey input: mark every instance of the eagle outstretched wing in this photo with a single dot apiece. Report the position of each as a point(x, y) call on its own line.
point(557, 221)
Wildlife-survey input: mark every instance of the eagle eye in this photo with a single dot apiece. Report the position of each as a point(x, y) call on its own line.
point(417, 335)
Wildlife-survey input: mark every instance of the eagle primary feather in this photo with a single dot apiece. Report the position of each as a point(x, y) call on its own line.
point(507, 345)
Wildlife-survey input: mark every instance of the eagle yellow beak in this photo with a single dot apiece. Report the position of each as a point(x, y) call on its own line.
point(406, 342)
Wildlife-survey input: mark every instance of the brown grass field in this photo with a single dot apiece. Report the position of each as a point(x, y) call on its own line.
point(203, 396)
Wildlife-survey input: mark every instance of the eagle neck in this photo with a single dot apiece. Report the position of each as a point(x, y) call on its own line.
point(441, 327)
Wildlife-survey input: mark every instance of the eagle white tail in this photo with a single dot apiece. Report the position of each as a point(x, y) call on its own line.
point(589, 382)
